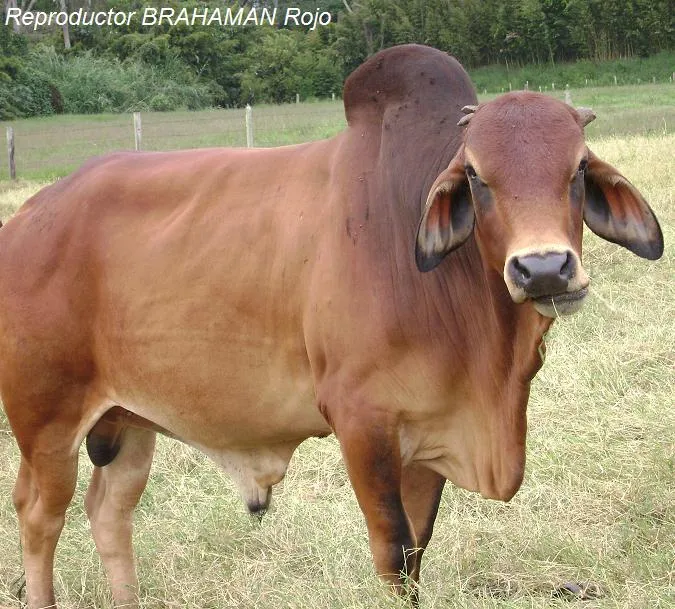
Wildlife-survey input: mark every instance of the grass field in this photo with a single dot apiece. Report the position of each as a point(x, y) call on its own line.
point(597, 504)
point(656, 68)
point(53, 146)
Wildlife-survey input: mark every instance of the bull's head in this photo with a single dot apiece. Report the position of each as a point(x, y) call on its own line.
point(524, 181)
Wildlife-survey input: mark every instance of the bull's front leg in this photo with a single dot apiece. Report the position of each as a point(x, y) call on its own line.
point(370, 446)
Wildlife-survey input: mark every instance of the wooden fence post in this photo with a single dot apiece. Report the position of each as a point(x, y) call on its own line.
point(10, 153)
point(249, 126)
point(138, 131)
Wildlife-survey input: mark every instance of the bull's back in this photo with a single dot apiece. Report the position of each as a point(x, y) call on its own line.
point(175, 283)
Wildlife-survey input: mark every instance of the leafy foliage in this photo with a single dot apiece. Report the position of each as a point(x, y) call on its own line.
point(168, 67)
point(92, 84)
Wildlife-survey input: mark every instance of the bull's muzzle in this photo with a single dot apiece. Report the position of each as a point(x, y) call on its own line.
point(553, 280)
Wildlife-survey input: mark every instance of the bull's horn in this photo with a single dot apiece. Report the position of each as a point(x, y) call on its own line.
point(586, 115)
point(468, 111)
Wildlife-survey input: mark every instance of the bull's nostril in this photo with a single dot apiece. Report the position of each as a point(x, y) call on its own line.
point(543, 274)
point(566, 269)
point(521, 269)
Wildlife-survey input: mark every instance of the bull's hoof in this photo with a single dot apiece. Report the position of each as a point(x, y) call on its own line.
point(580, 591)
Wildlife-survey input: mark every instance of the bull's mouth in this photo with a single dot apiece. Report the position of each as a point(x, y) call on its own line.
point(566, 303)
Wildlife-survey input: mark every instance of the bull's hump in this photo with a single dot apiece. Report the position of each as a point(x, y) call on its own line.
point(408, 73)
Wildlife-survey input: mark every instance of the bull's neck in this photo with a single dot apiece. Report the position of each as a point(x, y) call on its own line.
point(478, 317)
point(464, 307)
point(462, 303)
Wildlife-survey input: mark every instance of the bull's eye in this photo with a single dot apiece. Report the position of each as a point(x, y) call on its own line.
point(580, 173)
point(473, 176)
point(480, 192)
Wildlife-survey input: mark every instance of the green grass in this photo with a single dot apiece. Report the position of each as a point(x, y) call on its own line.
point(597, 504)
point(628, 110)
point(53, 146)
point(584, 73)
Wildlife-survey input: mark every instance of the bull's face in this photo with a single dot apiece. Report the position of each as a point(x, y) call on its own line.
point(524, 182)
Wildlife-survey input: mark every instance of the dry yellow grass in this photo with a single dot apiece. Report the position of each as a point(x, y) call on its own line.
point(596, 505)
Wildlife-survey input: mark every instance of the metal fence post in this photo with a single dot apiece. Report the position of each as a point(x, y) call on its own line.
point(249, 126)
point(10, 153)
point(138, 131)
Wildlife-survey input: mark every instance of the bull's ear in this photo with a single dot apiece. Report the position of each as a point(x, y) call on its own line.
point(616, 211)
point(447, 217)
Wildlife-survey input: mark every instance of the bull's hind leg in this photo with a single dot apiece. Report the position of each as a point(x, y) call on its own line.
point(44, 489)
point(113, 493)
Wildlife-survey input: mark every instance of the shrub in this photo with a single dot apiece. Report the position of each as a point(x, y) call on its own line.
point(125, 46)
point(90, 85)
point(29, 93)
point(288, 62)
point(43, 95)
point(162, 102)
point(12, 98)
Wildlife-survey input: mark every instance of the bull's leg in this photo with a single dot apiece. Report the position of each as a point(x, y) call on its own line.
point(111, 498)
point(43, 490)
point(421, 489)
point(372, 455)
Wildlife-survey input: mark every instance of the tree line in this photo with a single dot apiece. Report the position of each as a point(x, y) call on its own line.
point(163, 67)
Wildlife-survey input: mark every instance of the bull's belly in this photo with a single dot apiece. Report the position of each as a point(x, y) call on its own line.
point(248, 417)
point(220, 412)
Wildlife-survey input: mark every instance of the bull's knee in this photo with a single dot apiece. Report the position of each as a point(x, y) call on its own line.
point(21, 495)
point(41, 524)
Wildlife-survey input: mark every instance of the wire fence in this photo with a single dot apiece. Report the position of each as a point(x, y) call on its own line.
point(49, 147)
point(55, 146)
